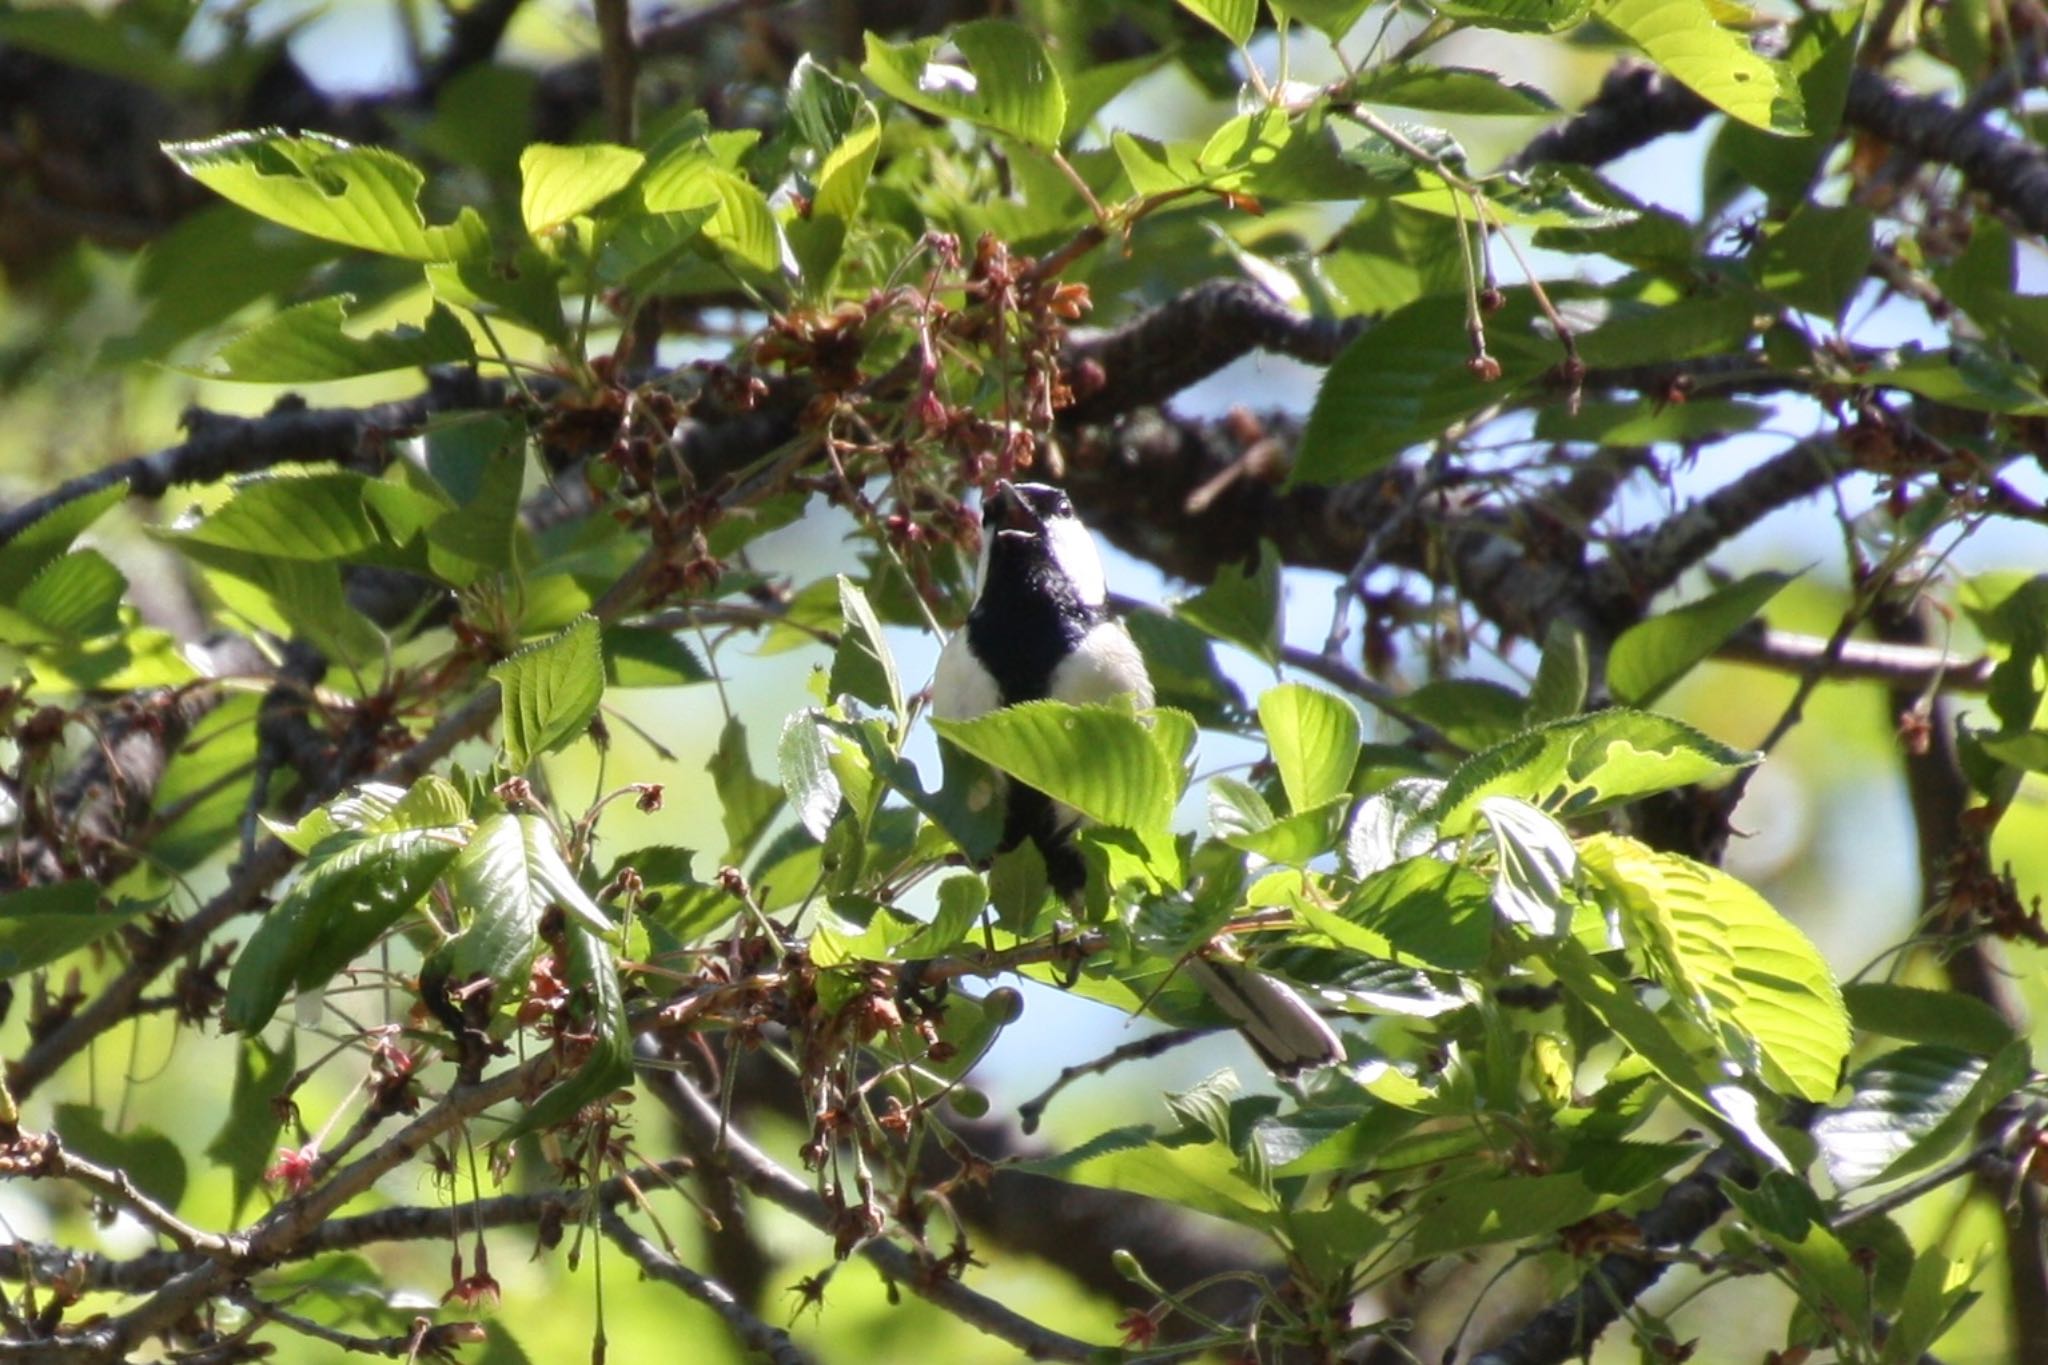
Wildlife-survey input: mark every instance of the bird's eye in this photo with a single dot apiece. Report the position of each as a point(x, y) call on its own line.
point(1063, 507)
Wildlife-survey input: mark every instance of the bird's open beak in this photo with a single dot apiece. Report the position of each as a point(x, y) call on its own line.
point(1006, 510)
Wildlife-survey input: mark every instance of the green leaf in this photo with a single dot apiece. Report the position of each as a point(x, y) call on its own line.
point(152, 1161)
point(1587, 763)
point(1391, 824)
point(863, 665)
point(1459, 1214)
point(292, 516)
point(76, 596)
point(1632, 424)
point(359, 196)
point(1821, 57)
point(1436, 912)
point(1937, 1289)
point(40, 924)
point(526, 290)
point(1233, 19)
point(1536, 866)
point(1333, 18)
point(1652, 655)
point(640, 656)
point(355, 885)
point(1744, 972)
point(1184, 1168)
point(1100, 760)
point(804, 755)
point(552, 688)
point(1911, 1108)
point(1919, 1015)
point(691, 182)
point(557, 183)
point(1719, 66)
point(49, 536)
point(506, 877)
point(1559, 690)
point(818, 238)
point(1404, 381)
point(963, 898)
point(248, 1136)
point(306, 345)
point(1007, 84)
point(1242, 606)
point(823, 107)
point(1518, 16)
point(1613, 1002)
point(1817, 261)
point(1450, 90)
point(746, 803)
point(594, 973)
point(1314, 738)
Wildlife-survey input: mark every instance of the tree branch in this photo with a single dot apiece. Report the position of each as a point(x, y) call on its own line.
point(770, 1343)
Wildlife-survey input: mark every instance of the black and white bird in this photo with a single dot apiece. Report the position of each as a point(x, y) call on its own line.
point(1040, 629)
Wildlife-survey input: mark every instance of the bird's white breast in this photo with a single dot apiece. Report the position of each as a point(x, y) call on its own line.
point(1104, 666)
point(962, 688)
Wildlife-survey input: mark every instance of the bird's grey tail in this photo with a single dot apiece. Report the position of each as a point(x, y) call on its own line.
point(1287, 1034)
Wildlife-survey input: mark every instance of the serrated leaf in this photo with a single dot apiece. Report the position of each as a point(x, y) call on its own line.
point(1919, 1015)
point(558, 183)
point(1333, 18)
point(1747, 976)
point(1632, 424)
point(552, 689)
point(40, 924)
point(1518, 16)
point(1450, 90)
point(1392, 824)
point(1537, 864)
point(306, 345)
point(1241, 606)
point(1587, 763)
point(152, 1161)
point(1817, 261)
point(594, 973)
point(1100, 760)
point(1404, 381)
point(1652, 655)
point(1910, 1108)
point(292, 516)
point(1458, 1214)
point(505, 878)
point(804, 755)
point(1007, 84)
point(818, 237)
point(690, 184)
point(1559, 690)
point(1233, 19)
point(1182, 1168)
point(32, 548)
point(76, 596)
point(863, 665)
point(823, 107)
point(639, 656)
point(963, 899)
point(1716, 64)
point(1313, 735)
point(746, 803)
point(353, 887)
point(247, 1137)
point(525, 290)
point(359, 196)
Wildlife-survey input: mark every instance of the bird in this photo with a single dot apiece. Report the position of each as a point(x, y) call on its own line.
point(1040, 629)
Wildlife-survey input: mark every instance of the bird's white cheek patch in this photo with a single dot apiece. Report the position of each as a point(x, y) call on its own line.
point(1073, 549)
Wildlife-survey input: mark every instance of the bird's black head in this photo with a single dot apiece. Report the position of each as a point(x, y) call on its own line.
point(1024, 508)
point(1032, 541)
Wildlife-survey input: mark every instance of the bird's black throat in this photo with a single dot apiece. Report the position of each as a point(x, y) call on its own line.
point(1027, 620)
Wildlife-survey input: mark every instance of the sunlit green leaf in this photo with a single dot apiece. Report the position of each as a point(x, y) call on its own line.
point(1004, 80)
point(557, 183)
point(1682, 37)
point(552, 688)
point(1314, 738)
point(1749, 977)
point(1652, 655)
point(306, 345)
point(1102, 761)
point(359, 196)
